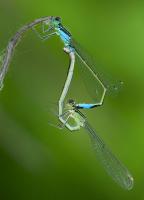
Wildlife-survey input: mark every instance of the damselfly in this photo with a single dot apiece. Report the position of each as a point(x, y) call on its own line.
point(97, 84)
point(74, 119)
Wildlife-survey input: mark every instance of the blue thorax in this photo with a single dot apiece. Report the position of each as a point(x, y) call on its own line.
point(65, 37)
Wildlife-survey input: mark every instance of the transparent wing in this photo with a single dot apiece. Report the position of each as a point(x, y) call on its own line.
point(92, 83)
point(110, 84)
point(112, 165)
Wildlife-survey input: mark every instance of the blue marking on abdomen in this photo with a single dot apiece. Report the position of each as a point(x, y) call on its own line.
point(85, 106)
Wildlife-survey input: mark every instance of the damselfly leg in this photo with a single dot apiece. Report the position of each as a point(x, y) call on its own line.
point(44, 32)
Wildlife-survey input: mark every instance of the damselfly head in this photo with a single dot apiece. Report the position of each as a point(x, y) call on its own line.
point(56, 21)
point(70, 105)
point(71, 102)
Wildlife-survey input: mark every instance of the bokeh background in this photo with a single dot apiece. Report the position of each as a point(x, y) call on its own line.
point(38, 161)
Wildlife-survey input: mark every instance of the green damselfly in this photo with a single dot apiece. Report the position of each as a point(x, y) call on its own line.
point(74, 120)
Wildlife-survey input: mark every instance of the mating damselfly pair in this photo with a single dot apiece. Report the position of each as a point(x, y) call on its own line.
point(69, 113)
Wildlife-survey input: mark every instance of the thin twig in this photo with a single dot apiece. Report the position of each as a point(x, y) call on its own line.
point(12, 45)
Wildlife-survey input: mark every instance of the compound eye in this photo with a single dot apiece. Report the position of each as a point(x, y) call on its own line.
point(58, 19)
point(71, 101)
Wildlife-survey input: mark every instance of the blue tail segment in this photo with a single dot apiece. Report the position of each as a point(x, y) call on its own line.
point(86, 106)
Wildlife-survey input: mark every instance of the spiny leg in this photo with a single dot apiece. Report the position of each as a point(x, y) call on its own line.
point(43, 37)
point(46, 30)
point(62, 125)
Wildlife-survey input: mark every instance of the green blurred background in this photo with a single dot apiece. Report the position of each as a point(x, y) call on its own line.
point(38, 161)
